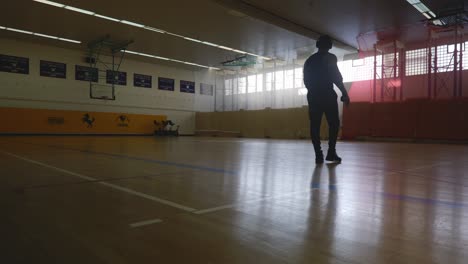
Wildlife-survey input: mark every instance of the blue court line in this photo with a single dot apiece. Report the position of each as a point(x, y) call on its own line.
point(161, 162)
point(422, 200)
point(400, 197)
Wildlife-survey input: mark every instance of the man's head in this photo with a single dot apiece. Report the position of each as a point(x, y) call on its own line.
point(324, 43)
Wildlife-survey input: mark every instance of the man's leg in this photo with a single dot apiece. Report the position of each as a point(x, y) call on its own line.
point(315, 117)
point(333, 119)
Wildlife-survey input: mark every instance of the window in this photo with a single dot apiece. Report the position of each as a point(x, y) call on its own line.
point(289, 79)
point(242, 85)
point(416, 62)
point(228, 86)
point(252, 84)
point(279, 80)
point(269, 81)
point(259, 82)
point(298, 78)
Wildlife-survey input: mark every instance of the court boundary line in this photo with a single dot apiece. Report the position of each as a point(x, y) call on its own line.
point(110, 185)
point(116, 155)
point(43, 186)
point(241, 203)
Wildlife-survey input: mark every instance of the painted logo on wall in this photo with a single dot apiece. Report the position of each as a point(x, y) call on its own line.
point(123, 121)
point(88, 119)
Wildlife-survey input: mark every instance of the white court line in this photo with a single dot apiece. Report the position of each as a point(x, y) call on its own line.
point(110, 185)
point(145, 223)
point(229, 206)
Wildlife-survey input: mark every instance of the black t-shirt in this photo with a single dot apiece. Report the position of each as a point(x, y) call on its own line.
point(320, 73)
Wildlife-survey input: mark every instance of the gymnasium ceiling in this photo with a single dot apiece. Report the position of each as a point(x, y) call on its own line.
point(273, 28)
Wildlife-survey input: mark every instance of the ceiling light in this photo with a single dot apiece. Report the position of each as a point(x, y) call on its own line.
point(79, 10)
point(167, 59)
point(239, 51)
point(50, 3)
point(39, 34)
point(194, 40)
point(179, 61)
point(155, 29)
point(226, 48)
point(106, 17)
point(422, 8)
point(175, 35)
point(132, 23)
point(70, 40)
point(427, 16)
point(210, 44)
point(45, 36)
point(19, 30)
point(438, 22)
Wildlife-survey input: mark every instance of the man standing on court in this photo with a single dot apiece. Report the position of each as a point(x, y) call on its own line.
point(320, 73)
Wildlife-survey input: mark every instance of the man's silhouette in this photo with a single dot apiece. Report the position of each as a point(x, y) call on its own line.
point(320, 73)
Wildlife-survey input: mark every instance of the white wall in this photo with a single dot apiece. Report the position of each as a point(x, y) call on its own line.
point(34, 91)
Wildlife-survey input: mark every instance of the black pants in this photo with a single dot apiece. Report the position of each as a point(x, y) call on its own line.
point(317, 107)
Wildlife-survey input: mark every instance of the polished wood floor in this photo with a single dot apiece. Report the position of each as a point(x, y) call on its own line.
point(215, 201)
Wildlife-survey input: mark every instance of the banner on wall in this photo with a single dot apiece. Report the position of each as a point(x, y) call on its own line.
point(14, 64)
point(141, 80)
point(206, 89)
point(187, 87)
point(116, 77)
point(166, 84)
point(83, 73)
point(53, 69)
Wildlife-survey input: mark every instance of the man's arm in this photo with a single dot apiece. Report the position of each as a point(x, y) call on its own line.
point(338, 81)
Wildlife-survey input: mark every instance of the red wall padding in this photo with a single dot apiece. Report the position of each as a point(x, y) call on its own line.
point(394, 119)
point(356, 120)
point(418, 119)
point(443, 119)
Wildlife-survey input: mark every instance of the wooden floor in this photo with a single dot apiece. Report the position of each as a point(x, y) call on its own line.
point(214, 201)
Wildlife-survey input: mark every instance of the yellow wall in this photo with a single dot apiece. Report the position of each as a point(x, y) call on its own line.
point(291, 123)
point(43, 121)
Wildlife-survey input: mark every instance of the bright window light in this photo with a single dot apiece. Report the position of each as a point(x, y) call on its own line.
point(106, 17)
point(79, 10)
point(358, 62)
